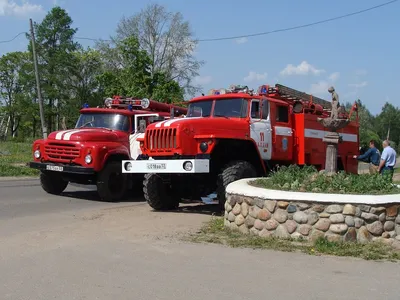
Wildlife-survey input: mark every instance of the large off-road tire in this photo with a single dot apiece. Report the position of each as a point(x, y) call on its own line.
point(231, 172)
point(158, 194)
point(112, 184)
point(52, 182)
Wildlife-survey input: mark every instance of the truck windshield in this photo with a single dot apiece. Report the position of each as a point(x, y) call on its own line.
point(109, 121)
point(199, 109)
point(232, 107)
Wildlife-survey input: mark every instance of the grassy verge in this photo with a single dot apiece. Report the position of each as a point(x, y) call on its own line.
point(307, 179)
point(215, 232)
point(14, 158)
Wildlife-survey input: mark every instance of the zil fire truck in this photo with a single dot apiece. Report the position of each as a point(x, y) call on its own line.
point(92, 152)
point(233, 134)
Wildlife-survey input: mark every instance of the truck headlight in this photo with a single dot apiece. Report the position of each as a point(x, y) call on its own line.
point(128, 166)
point(88, 159)
point(188, 166)
point(203, 147)
point(37, 154)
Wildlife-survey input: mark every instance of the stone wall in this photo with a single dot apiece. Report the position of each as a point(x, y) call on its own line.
point(309, 220)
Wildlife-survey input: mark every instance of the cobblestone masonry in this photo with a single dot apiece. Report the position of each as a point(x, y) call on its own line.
point(310, 220)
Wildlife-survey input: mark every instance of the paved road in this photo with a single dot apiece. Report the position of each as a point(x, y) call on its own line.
point(71, 248)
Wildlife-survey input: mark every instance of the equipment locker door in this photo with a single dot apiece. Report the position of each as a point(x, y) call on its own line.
point(282, 135)
point(260, 127)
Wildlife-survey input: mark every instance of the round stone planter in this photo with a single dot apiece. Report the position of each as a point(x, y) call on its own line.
point(337, 217)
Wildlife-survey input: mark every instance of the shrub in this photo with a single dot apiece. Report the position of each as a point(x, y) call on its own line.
point(307, 179)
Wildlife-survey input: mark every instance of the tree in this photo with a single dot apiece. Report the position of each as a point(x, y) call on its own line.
point(55, 48)
point(367, 131)
point(387, 120)
point(132, 75)
point(13, 66)
point(169, 42)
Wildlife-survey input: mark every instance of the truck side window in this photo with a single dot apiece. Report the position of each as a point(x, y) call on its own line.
point(282, 114)
point(265, 109)
point(255, 109)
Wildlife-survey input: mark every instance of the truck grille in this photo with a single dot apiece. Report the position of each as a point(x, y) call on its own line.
point(61, 151)
point(161, 139)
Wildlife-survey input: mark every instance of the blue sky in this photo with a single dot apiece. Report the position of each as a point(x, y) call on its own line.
point(359, 55)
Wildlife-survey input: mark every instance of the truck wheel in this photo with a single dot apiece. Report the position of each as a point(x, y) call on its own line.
point(158, 194)
point(52, 182)
point(111, 182)
point(233, 171)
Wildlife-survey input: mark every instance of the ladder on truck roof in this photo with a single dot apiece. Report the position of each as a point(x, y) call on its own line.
point(290, 94)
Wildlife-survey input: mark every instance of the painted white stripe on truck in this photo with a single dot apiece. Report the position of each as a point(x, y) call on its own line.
point(285, 131)
point(60, 134)
point(319, 134)
point(68, 135)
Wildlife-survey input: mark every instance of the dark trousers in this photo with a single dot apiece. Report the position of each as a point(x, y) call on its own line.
point(389, 171)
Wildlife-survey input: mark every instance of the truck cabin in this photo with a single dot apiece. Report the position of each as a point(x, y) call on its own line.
point(124, 114)
point(239, 104)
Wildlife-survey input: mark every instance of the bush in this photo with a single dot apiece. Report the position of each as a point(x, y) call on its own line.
point(307, 179)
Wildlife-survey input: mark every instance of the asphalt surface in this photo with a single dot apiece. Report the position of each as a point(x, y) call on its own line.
point(76, 247)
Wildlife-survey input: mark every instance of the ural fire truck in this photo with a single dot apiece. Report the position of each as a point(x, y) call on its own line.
point(92, 152)
point(233, 134)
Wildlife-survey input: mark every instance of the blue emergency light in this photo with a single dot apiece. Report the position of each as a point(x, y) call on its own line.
point(130, 107)
point(85, 105)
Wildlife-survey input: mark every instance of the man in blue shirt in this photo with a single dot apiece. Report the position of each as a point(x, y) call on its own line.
point(372, 157)
point(388, 159)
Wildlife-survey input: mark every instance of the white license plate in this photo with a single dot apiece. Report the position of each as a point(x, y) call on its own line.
point(156, 166)
point(54, 168)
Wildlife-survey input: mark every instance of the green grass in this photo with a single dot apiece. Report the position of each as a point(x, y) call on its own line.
point(13, 159)
point(215, 232)
point(307, 179)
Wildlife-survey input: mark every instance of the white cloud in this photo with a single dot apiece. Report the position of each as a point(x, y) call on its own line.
point(254, 76)
point(358, 85)
point(11, 8)
point(202, 80)
point(320, 87)
point(334, 76)
point(304, 68)
point(241, 40)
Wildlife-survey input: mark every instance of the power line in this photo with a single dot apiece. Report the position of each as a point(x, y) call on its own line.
point(8, 41)
point(252, 34)
point(297, 27)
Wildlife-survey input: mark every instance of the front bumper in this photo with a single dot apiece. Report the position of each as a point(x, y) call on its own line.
point(61, 168)
point(166, 166)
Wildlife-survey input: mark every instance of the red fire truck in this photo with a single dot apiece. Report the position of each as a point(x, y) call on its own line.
point(92, 152)
point(232, 134)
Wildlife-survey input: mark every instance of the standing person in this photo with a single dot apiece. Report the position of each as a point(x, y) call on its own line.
point(372, 156)
point(388, 159)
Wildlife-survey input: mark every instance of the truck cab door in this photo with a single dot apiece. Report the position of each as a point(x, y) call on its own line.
point(139, 124)
point(260, 127)
point(282, 137)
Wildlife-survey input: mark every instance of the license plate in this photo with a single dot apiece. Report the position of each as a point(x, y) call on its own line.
point(156, 166)
point(54, 168)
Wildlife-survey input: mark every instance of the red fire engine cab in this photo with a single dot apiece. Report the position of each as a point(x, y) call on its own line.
point(232, 134)
point(92, 152)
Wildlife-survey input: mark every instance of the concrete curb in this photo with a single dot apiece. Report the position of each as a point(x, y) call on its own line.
point(242, 187)
point(18, 178)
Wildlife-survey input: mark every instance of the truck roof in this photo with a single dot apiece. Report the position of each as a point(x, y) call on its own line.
point(235, 95)
point(125, 112)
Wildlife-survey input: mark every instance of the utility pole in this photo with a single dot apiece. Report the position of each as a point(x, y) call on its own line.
point(42, 120)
